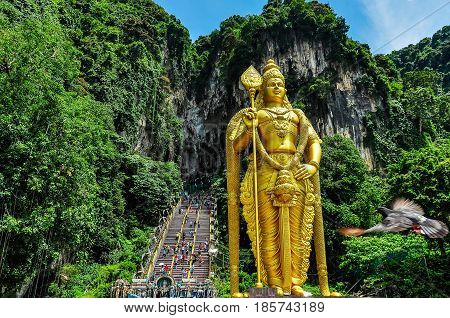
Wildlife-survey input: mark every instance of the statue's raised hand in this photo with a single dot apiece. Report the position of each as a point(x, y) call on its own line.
point(304, 171)
point(249, 115)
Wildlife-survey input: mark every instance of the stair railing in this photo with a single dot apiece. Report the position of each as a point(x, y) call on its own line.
point(211, 227)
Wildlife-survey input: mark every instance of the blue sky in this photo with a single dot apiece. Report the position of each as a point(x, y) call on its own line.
point(385, 25)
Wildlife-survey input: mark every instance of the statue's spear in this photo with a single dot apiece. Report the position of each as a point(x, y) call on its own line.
point(252, 80)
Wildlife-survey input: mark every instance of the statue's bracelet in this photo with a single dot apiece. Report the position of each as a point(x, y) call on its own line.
point(315, 164)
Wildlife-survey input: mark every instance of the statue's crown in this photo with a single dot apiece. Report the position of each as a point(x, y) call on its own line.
point(271, 70)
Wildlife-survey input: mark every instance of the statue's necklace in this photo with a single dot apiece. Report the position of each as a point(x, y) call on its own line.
point(271, 111)
point(280, 122)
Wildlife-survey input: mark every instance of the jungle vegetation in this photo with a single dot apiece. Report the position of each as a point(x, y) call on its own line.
point(78, 202)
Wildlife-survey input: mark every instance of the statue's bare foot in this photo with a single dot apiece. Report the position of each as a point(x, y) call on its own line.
point(237, 295)
point(297, 291)
point(280, 292)
point(333, 294)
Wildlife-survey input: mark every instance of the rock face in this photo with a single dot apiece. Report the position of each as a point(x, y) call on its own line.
point(341, 111)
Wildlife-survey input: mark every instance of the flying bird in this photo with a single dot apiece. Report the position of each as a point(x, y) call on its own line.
point(404, 214)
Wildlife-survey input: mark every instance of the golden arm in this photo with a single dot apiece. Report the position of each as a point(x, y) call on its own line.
point(313, 154)
point(315, 151)
point(241, 142)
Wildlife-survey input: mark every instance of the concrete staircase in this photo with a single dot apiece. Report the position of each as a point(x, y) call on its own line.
point(181, 223)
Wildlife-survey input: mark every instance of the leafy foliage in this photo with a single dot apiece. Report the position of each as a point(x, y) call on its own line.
point(90, 281)
point(393, 265)
point(60, 178)
point(350, 195)
point(430, 53)
point(424, 175)
point(95, 280)
point(150, 187)
point(418, 112)
point(63, 183)
point(123, 45)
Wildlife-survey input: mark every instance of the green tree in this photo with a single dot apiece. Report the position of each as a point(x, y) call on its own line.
point(63, 184)
point(424, 176)
point(420, 111)
point(150, 187)
point(394, 265)
point(429, 53)
point(350, 195)
point(60, 181)
point(124, 45)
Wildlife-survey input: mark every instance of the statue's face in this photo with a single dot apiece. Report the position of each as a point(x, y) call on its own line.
point(274, 91)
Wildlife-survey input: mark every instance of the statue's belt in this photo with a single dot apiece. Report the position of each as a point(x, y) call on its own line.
point(278, 161)
point(274, 155)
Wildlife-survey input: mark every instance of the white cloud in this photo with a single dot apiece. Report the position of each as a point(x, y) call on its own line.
point(395, 23)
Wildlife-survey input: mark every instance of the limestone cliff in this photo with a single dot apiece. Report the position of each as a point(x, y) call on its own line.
point(340, 110)
point(333, 78)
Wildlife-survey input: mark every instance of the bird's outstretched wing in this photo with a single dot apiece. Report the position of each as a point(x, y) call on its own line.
point(406, 206)
point(396, 222)
point(433, 228)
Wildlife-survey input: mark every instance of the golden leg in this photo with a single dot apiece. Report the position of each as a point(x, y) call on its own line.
point(270, 243)
point(297, 248)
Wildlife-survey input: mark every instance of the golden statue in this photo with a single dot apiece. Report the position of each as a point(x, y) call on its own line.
point(286, 156)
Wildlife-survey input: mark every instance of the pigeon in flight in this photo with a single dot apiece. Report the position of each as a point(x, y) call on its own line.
point(403, 214)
